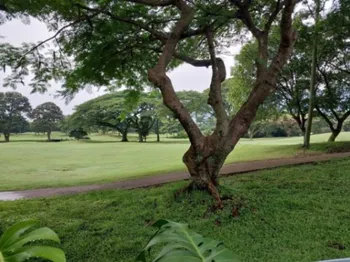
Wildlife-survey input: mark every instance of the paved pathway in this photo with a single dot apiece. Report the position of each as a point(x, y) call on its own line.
point(230, 169)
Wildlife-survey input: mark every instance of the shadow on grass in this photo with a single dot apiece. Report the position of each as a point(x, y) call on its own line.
point(34, 140)
point(332, 147)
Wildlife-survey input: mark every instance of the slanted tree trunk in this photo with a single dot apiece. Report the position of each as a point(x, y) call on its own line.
point(207, 154)
point(334, 135)
point(49, 135)
point(7, 137)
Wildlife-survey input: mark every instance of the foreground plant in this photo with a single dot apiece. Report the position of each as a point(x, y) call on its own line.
point(184, 245)
point(14, 243)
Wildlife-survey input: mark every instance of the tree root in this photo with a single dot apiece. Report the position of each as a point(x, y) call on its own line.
point(211, 188)
point(215, 193)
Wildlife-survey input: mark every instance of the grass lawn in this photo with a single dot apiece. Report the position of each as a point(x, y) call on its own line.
point(288, 214)
point(29, 162)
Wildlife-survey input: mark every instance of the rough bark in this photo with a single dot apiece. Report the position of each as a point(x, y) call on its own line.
point(49, 135)
point(7, 137)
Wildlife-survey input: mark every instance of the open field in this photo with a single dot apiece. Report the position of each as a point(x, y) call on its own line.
point(26, 163)
point(288, 214)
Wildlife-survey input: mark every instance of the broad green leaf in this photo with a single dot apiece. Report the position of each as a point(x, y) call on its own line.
point(14, 232)
point(45, 252)
point(183, 244)
point(43, 233)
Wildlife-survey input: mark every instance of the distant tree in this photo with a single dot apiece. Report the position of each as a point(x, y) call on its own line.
point(47, 117)
point(143, 117)
point(78, 133)
point(13, 106)
point(107, 111)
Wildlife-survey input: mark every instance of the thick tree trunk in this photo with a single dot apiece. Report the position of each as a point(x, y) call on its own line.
point(140, 138)
point(204, 163)
point(336, 131)
point(49, 135)
point(125, 137)
point(7, 137)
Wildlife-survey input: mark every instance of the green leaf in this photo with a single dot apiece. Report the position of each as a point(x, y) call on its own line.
point(14, 232)
point(45, 252)
point(43, 233)
point(183, 244)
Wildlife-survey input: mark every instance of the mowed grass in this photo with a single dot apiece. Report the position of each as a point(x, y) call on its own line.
point(30, 162)
point(288, 214)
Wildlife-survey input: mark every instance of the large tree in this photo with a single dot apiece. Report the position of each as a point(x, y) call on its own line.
point(118, 42)
point(333, 93)
point(13, 106)
point(47, 117)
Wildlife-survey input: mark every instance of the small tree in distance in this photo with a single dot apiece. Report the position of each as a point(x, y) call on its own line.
point(78, 133)
point(12, 107)
point(46, 117)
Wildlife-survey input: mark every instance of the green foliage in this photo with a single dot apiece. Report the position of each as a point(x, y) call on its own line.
point(14, 243)
point(184, 244)
point(78, 133)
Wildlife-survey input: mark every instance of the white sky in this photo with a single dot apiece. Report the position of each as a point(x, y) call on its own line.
point(185, 77)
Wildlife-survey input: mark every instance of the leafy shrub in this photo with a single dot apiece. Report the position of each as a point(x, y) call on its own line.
point(14, 243)
point(181, 244)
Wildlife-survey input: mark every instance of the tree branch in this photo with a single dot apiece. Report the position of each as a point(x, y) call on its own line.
point(272, 17)
point(325, 117)
point(158, 77)
point(287, 39)
point(153, 2)
point(218, 76)
point(243, 14)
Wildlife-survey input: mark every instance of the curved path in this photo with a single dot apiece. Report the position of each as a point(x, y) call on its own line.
point(230, 169)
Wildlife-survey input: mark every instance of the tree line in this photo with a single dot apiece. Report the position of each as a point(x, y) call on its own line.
point(15, 111)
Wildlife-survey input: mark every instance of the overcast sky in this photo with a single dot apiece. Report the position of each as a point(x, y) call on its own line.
point(15, 32)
